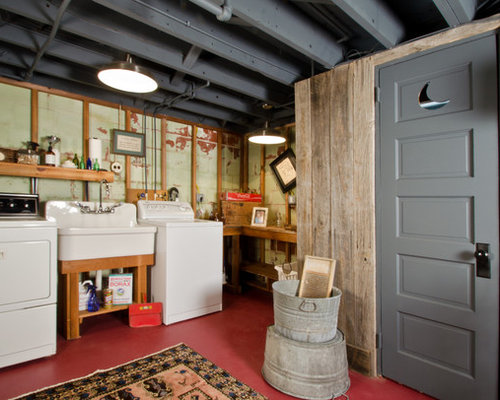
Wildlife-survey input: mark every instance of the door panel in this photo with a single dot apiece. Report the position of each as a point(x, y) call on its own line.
point(437, 195)
point(450, 283)
point(446, 84)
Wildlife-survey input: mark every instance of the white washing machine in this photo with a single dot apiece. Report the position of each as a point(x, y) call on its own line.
point(28, 283)
point(187, 276)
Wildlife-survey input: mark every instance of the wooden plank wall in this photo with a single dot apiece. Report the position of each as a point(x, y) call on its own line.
point(335, 134)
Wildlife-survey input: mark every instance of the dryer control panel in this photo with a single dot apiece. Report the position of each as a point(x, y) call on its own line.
point(164, 210)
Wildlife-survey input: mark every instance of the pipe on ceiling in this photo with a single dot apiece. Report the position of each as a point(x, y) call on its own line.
point(53, 32)
point(223, 13)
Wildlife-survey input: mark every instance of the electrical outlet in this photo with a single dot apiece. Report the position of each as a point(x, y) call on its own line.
point(200, 197)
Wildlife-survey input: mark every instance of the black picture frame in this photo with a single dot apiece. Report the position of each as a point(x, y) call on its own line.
point(128, 143)
point(284, 170)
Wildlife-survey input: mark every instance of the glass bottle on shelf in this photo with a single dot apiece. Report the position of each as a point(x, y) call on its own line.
point(279, 220)
point(50, 157)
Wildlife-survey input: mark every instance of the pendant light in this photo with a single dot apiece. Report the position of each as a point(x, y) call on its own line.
point(128, 77)
point(267, 136)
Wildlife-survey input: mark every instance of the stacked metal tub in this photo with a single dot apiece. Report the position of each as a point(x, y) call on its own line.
point(305, 354)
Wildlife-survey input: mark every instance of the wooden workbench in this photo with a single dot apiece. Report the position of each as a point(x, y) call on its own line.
point(258, 268)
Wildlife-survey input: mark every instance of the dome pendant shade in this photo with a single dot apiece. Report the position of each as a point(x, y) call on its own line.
point(267, 136)
point(128, 77)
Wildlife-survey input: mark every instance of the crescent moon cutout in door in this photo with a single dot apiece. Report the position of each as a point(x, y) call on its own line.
point(425, 102)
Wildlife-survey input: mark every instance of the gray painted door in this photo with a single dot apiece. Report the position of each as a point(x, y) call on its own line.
point(437, 197)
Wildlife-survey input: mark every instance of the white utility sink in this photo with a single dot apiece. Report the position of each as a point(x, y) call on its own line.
point(98, 235)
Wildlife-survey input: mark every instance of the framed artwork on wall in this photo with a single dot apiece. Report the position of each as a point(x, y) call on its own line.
point(284, 170)
point(128, 143)
point(259, 216)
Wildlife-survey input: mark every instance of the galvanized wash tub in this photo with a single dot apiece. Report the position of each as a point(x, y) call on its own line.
point(306, 370)
point(304, 319)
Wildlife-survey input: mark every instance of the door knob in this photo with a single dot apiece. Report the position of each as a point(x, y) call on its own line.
point(483, 267)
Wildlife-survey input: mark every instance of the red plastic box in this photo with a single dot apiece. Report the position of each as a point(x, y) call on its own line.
point(145, 314)
point(237, 196)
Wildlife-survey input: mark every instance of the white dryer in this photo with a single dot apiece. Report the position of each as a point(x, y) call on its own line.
point(187, 276)
point(28, 285)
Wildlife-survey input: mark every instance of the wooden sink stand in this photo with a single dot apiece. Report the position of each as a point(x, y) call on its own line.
point(69, 270)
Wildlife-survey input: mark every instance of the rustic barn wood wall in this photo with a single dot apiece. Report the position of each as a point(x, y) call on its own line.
point(335, 136)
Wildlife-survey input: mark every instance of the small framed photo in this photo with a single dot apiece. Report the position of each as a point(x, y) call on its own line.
point(259, 216)
point(128, 143)
point(283, 167)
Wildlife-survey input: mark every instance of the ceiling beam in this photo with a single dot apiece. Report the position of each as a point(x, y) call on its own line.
point(288, 25)
point(123, 37)
point(189, 60)
point(375, 17)
point(22, 37)
point(116, 98)
point(22, 58)
point(456, 12)
point(189, 24)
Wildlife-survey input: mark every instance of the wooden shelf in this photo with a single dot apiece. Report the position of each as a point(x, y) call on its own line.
point(261, 269)
point(102, 310)
point(265, 272)
point(44, 171)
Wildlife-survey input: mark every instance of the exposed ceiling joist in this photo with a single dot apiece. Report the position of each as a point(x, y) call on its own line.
point(288, 25)
point(251, 52)
point(189, 60)
point(374, 17)
point(112, 97)
point(23, 38)
point(456, 12)
point(124, 38)
point(21, 59)
point(209, 35)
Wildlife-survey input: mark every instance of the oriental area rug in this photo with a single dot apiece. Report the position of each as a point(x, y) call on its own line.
point(176, 373)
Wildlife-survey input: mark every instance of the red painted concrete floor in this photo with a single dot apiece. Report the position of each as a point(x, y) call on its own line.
point(234, 339)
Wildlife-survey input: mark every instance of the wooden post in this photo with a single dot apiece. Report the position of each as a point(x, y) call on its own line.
point(263, 172)
point(86, 128)
point(85, 153)
point(244, 163)
point(262, 243)
point(127, 158)
point(163, 154)
point(219, 170)
point(194, 130)
point(235, 262)
point(140, 282)
point(288, 216)
point(73, 300)
point(34, 115)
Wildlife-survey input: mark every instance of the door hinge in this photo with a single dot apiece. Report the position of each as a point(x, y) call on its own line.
point(377, 94)
point(378, 341)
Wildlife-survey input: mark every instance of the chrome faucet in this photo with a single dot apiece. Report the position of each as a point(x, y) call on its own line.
point(105, 182)
point(84, 209)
